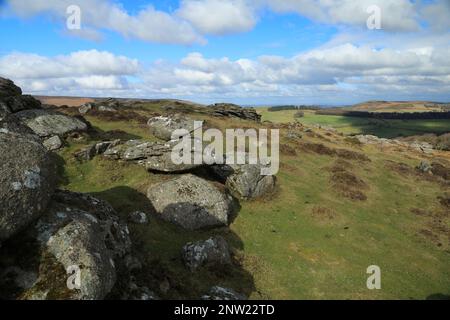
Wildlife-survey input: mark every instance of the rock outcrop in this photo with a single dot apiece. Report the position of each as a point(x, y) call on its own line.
point(214, 251)
point(234, 111)
point(153, 155)
point(79, 234)
point(162, 127)
point(245, 180)
point(423, 147)
point(12, 100)
point(48, 123)
point(183, 201)
point(27, 180)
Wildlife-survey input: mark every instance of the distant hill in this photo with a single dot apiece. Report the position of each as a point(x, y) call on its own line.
point(399, 106)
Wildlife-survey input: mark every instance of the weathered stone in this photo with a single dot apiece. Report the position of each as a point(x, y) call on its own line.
point(8, 88)
point(154, 156)
point(214, 251)
point(182, 201)
point(85, 108)
point(80, 233)
point(53, 143)
point(27, 176)
point(47, 123)
point(424, 167)
point(162, 127)
point(245, 180)
point(225, 294)
point(138, 217)
point(86, 154)
point(235, 111)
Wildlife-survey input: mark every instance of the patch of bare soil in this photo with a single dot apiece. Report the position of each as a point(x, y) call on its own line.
point(445, 201)
point(352, 155)
point(438, 169)
point(318, 148)
point(347, 183)
point(436, 227)
point(287, 150)
point(400, 168)
point(322, 149)
point(323, 213)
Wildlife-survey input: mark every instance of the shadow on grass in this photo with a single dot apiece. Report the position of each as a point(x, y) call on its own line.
point(159, 245)
point(438, 296)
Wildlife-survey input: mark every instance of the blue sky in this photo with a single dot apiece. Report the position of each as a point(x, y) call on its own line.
point(242, 51)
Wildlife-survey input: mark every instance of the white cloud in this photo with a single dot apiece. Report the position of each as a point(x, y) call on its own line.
point(75, 73)
point(218, 17)
point(148, 24)
point(340, 73)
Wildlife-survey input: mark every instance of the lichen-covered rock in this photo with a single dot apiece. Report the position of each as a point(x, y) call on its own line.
point(53, 143)
point(424, 167)
point(138, 217)
point(234, 111)
point(8, 88)
point(89, 152)
point(162, 127)
point(191, 202)
point(47, 123)
point(245, 180)
point(214, 251)
point(78, 232)
point(27, 181)
point(153, 155)
point(10, 124)
point(20, 103)
point(224, 294)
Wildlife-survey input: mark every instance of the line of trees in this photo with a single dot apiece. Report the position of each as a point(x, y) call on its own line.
point(387, 115)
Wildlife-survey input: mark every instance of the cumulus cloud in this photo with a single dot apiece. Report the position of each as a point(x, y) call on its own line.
point(148, 24)
point(342, 72)
point(218, 17)
point(396, 15)
point(74, 73)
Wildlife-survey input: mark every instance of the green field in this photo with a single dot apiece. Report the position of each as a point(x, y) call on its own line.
point(284, 248)
point(353, 125)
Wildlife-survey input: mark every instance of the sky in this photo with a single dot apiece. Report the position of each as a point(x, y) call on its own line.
point(250, 52)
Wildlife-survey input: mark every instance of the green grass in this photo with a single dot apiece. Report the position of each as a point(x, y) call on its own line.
point(354, 125)
point(282, 251)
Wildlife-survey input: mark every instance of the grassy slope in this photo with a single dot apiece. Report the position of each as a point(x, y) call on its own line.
point(352, 125)
point(282, 250)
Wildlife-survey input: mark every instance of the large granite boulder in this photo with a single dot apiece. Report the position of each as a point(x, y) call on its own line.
point(47, 123)
point(214, 252)
point(153, 155)
point(12, 100)
point(78, 238)
point(10, 124)
point(27, 179)
point(8, 88)
point(163, 126)
point(245, 180)
point(191, 203)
